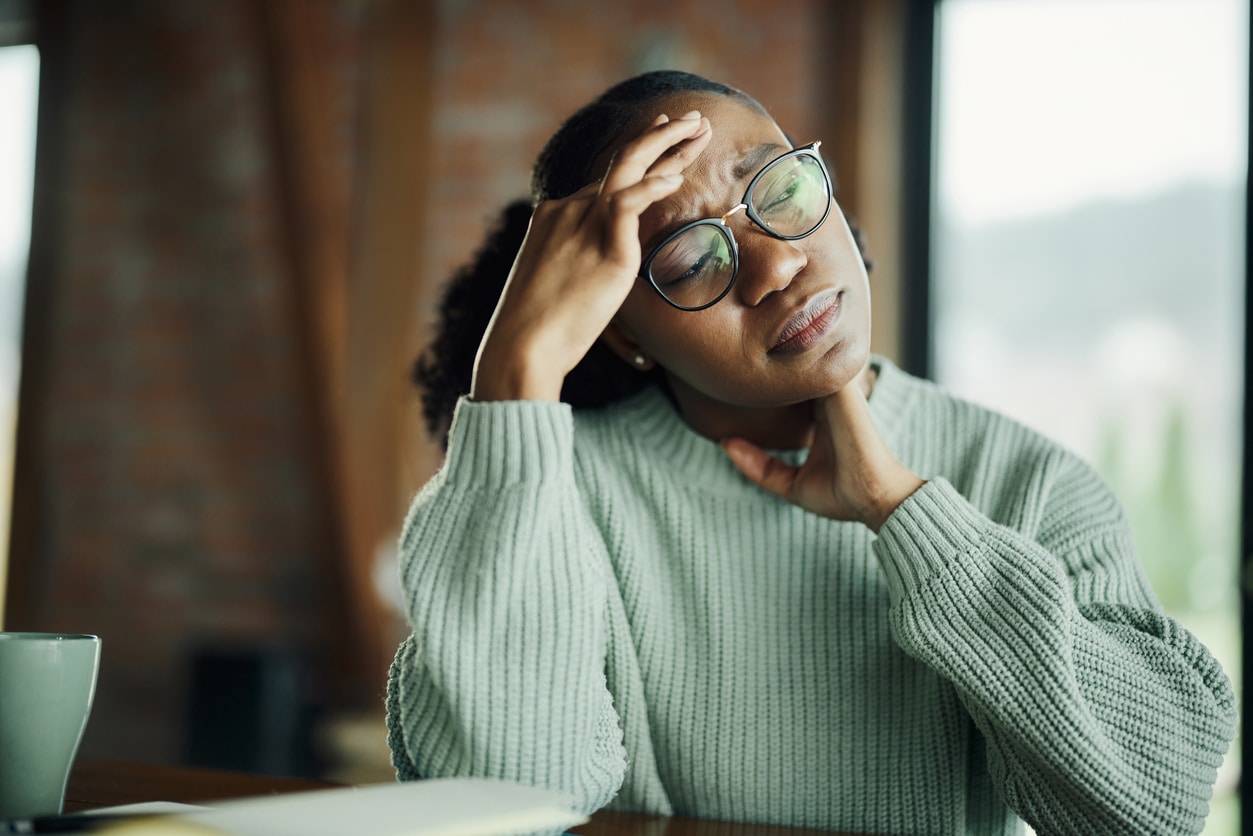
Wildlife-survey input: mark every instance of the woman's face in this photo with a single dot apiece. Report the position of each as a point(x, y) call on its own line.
point(796, 324)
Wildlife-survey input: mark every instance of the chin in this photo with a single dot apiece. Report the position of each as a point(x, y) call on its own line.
point(845, 362)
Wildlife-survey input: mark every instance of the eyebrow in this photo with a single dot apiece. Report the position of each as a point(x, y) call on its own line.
point(755, 159)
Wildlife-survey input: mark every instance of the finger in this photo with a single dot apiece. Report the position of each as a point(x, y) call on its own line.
point(624, 216)
point(762, 469)
point(594, 187)
point(634, 159)
point(677, 158)
point(632, 201)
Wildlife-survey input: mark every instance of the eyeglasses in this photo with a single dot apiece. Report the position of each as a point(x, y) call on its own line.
point(696, 265)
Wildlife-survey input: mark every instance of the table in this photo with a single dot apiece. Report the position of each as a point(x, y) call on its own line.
point(100, 783)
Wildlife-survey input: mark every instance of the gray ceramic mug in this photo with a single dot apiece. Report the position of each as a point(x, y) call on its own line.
point(47, 682)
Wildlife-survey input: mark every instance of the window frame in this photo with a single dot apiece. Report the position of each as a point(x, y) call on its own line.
point(917, 274)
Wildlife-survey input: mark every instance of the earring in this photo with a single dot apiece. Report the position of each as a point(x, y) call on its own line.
point(639, 360)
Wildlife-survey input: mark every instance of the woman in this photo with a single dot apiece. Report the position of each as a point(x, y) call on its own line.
point(910, 616)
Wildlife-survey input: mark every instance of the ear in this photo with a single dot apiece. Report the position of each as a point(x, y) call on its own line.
point(620, 342)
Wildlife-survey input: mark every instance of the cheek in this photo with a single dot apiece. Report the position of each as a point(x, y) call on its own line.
point(697, 349)
point(668, 334)
point(653, 321)
point(686, 343)
point(705, 356)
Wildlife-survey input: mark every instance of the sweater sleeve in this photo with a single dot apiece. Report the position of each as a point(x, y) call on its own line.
point(1101, 714)
point(505, 584)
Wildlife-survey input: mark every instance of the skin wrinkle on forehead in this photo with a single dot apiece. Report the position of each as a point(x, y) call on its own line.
point(662, 214)
point(756, 160)
point(669, 215)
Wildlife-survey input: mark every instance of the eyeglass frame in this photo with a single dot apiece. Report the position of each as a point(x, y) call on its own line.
point(810, 150)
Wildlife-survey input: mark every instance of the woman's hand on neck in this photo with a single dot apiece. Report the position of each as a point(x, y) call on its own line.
point(850, 474)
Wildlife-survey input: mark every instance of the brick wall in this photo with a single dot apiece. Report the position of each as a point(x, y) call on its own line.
point(175, 466)
point(176, 471)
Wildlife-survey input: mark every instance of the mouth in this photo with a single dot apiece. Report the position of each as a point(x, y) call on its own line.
point(810, 324)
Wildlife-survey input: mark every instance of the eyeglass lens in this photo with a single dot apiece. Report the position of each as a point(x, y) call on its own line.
point(789, 199)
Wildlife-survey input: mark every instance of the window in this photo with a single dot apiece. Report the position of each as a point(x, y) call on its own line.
point(1088, 263)
point(19, 80)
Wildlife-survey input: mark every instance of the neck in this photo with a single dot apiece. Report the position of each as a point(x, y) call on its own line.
point(788, 427)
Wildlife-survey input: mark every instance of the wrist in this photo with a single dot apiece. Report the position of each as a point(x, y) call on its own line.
point(887, 503)
point(514, 375)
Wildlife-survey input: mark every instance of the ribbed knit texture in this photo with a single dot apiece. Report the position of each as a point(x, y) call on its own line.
point(601, 604)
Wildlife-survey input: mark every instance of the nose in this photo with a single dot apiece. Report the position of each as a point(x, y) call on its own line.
point(767, 264)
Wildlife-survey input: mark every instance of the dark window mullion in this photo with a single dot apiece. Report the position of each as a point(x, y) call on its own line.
point(918, 182)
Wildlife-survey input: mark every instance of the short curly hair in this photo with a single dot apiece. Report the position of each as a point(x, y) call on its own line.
point(570, 160)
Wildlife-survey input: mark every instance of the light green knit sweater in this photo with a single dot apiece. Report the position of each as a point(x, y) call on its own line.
point(602, 604)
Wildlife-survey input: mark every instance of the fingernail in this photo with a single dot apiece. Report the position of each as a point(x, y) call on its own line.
point(695, 114)
point(661, 120)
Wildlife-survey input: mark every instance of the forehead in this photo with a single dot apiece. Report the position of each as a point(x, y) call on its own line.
point(718, 175)
point(738, 128)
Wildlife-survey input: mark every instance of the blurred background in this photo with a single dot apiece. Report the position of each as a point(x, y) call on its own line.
point(225, 225)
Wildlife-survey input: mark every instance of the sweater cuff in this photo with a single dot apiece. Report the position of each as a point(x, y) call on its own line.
point(928, 531)
point(499, 444)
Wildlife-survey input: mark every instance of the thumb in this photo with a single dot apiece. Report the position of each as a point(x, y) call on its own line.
point(759, 467)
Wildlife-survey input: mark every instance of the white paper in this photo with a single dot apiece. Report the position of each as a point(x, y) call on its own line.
point(443, 807)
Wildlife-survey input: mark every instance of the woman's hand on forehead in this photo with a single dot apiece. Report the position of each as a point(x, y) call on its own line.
point(577, 265)
point(657, 153)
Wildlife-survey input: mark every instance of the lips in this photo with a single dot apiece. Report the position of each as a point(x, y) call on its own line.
point(810, 324)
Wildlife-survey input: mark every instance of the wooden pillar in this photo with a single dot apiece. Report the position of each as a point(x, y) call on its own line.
point(387, 291)
point(355, 247)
